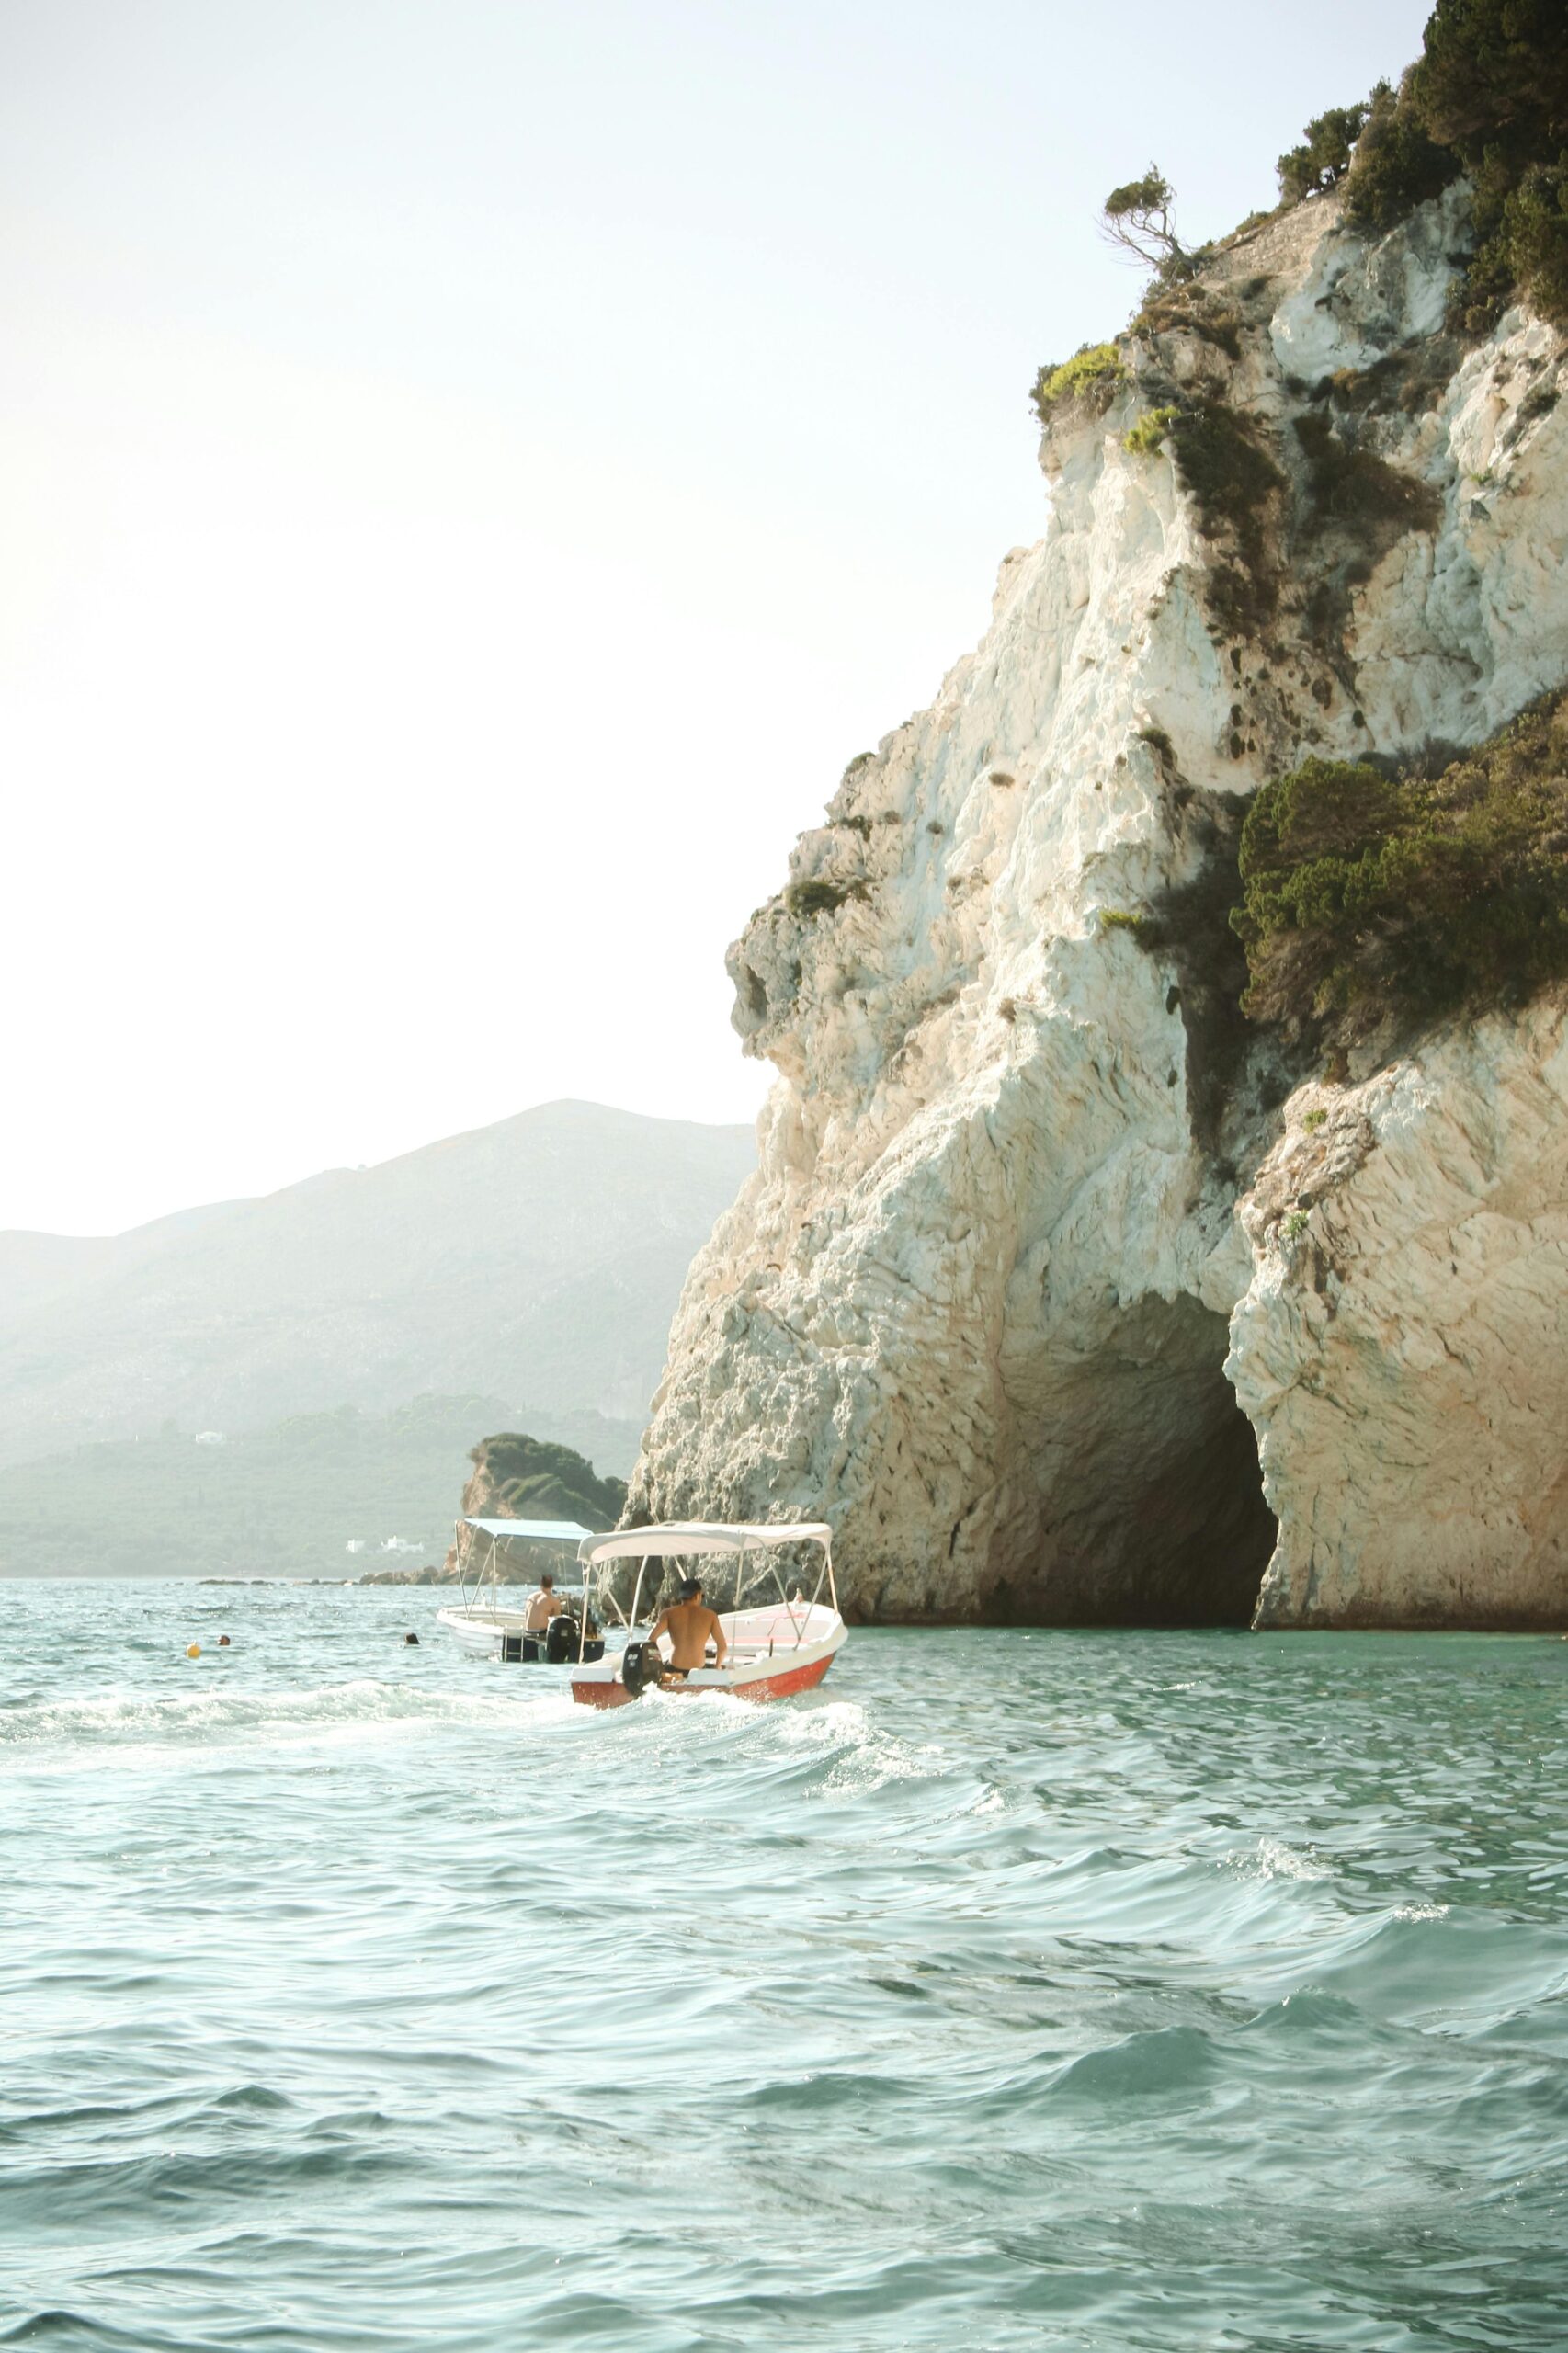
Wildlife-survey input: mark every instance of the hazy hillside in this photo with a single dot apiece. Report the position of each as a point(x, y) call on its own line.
point(321, 1495)
point(537, 1262)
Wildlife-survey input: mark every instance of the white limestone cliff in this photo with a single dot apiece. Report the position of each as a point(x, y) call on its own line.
point(975, 1304)
point(1402, 1347)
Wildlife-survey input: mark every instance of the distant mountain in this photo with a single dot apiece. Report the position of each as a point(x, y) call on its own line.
point(321, 1495)
point(536, 1263)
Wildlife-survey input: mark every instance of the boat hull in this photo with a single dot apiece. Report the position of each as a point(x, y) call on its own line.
point(481, 1632)
point(766, 1682)
point(484, 1633)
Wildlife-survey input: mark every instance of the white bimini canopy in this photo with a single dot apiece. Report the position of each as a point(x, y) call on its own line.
point(537, 1530)
point(703, 1536)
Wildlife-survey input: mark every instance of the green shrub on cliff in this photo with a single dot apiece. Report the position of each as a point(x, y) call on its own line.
point(1324, 156)
point(1492, 84)
point(1397, 163)
point(1488, 96)
point(1137, 927)
point(1493, 74)
point(1189, 308)
point(1365, 893)
point(1232, 479)
point(1091, 375)
point(1533, 242)
point(1152, 431)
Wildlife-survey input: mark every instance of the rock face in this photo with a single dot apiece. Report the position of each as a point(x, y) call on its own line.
point(519, 1477)
point(975, 1304)
point(1401, 1347)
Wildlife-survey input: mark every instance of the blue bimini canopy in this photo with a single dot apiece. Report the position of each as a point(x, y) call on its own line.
point(566, 1531)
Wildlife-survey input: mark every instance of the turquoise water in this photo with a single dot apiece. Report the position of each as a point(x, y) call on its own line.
point(1103, 1991)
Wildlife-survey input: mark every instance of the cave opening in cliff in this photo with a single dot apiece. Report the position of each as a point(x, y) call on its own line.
point(1151, 1503)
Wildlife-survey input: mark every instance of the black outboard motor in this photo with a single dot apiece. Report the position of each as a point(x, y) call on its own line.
point(641, 1665)
point(561, 1641)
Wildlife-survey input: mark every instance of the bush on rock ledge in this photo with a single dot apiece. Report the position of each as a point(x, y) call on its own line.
point(1365, 893)
point(1091, 376)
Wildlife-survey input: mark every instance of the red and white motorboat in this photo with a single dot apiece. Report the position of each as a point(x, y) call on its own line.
point(778, 1642)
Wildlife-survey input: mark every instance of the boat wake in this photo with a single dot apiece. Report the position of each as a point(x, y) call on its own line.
point(361, 1708)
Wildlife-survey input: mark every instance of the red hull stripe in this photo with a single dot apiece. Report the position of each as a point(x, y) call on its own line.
point(768, 1686)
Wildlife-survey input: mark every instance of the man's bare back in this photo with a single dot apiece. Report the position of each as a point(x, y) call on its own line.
point(542, 1607)
point(691, 1626)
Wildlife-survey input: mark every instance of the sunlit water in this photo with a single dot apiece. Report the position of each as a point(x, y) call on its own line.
point(1113, 1992)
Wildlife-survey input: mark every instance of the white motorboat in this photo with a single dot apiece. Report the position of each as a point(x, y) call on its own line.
point(492, 1629)
point(778, 1642)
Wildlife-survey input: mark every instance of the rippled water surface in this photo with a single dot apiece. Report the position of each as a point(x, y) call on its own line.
point(1120, 1992)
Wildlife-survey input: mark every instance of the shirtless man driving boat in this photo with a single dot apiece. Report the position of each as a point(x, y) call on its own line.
point(544, 1606)
point(691, 1626)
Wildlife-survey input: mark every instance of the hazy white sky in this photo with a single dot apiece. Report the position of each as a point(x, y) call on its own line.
point(472, 474)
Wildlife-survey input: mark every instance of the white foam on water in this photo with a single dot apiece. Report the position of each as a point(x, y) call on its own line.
point(990, 1801)
point(1271, 1858)
point(867, 1756)
point(859, 1756)
point(58, 1733)
point(877, 1761)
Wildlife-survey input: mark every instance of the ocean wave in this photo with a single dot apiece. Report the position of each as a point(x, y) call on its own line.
point(131, 1719)
point(1272, 1858)
point(829, 1748)
point(832, 2089)
point(400, 2003)
point(1139, 2067)
point(98, 2191)
point(1414, 1963)
point(55, 2329)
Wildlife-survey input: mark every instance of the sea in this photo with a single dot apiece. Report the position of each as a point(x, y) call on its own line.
point(1107, 1991)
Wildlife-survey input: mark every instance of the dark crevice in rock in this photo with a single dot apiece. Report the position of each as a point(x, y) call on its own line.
point(1157, 1515)
point(1188, 927)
